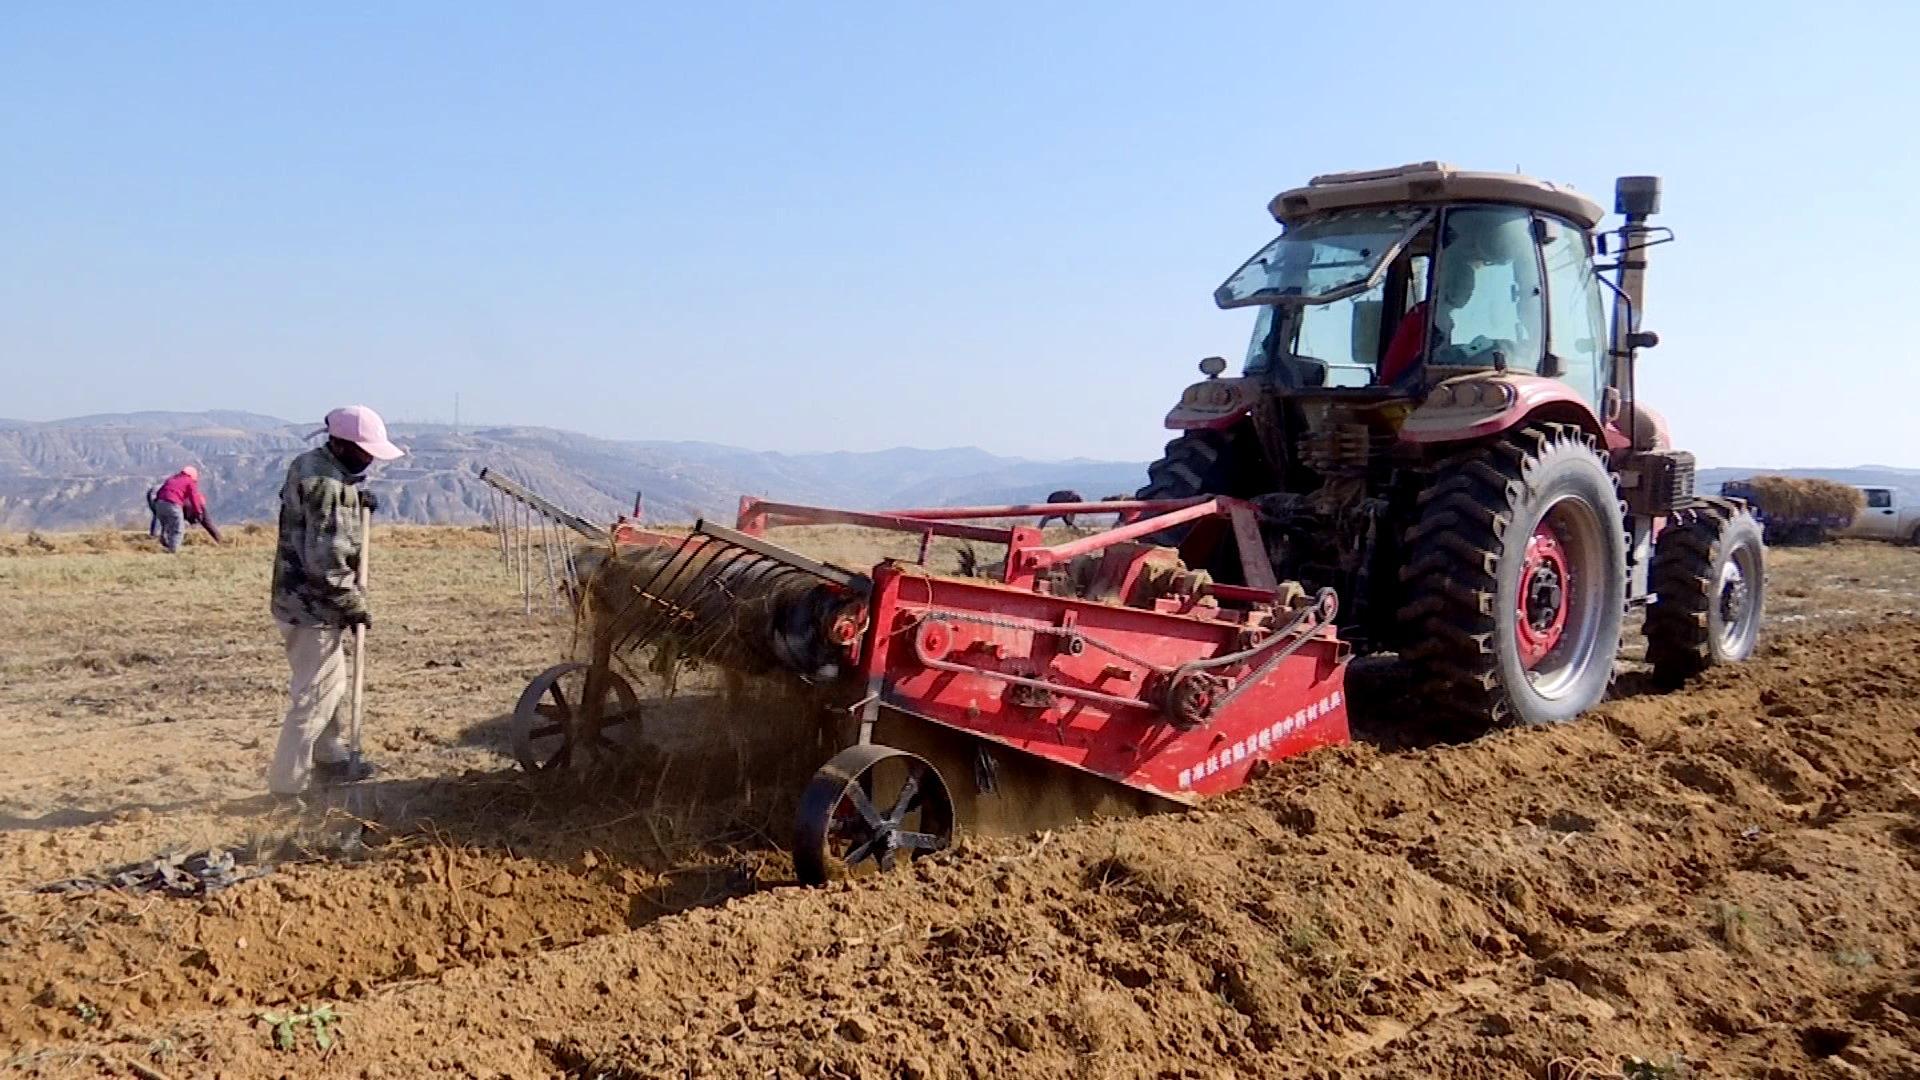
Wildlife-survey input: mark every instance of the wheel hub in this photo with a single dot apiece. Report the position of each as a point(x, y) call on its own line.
point(1733, 595)
point(1545, 581)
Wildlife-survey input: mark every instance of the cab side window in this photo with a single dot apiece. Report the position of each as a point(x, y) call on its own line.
point(1576, 327)
point(1879, 498)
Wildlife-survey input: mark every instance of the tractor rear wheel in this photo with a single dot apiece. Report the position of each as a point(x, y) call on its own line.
point(1515, 580)
point(1709, 584)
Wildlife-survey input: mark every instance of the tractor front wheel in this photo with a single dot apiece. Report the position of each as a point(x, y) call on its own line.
point(1515, 580)
point(1710, 588)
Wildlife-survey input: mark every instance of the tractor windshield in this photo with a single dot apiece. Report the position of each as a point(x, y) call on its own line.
point(1322, 259)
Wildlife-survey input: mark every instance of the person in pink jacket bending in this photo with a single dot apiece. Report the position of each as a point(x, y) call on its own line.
point(177, 503)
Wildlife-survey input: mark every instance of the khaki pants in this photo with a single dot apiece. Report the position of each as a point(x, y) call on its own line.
point(316, 723)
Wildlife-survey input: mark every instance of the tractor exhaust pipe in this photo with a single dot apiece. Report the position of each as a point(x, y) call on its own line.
point(1636, 198)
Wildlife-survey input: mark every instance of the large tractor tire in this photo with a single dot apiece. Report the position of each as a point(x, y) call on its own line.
point(1710, 588)
point(1194, 463)
point(1515, 580)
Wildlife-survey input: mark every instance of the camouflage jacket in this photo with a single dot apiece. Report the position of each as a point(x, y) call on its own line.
point(319, 544)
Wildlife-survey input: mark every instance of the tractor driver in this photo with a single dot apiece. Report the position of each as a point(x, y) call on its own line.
point(1472, 241)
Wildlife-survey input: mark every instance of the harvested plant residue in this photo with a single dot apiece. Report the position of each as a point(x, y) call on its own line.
point(1806, 497)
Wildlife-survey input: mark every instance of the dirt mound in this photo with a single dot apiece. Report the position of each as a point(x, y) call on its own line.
point(1720, 883)
point(1806, 497)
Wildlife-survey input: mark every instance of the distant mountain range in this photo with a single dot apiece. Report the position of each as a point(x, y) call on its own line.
point(94, 470)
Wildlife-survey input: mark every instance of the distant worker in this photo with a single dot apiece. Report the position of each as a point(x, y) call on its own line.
point(316, 599)
point(1065, 495)
point(176, 504)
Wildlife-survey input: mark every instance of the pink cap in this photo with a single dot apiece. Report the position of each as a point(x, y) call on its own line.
point(363, 427)
point(192, 471)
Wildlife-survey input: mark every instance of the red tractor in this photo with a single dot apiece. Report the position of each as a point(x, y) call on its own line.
point(1436, 421)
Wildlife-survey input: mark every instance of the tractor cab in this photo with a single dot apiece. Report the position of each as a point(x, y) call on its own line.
point(1385, 283)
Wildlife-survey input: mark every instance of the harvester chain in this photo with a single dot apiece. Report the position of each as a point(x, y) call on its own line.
point(1296, 634)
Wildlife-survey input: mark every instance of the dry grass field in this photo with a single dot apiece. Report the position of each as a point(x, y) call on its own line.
point(1723, 882)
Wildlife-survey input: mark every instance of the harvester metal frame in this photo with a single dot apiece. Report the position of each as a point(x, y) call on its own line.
point(1101, 655)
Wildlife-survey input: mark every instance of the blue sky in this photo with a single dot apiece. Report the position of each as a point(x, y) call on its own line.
point(802, 227)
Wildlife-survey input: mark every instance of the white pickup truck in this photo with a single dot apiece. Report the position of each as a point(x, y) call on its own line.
point(1888, 515)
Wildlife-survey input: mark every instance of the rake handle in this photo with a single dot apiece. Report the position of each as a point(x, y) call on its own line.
point(360, 639)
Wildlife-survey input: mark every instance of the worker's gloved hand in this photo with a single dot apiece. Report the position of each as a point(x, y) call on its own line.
point(371, 501)
point(359, 619)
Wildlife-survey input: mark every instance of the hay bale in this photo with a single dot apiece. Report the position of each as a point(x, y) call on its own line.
point(1806, 497)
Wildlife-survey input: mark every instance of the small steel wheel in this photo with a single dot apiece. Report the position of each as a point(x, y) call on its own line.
point(546, 720)
point(867, 807)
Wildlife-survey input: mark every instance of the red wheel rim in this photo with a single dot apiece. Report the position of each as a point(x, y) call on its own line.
point(1546, 583)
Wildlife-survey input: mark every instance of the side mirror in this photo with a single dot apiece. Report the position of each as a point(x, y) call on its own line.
point(1212, 366)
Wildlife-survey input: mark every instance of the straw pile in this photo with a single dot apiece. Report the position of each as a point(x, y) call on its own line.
point(1792, 497)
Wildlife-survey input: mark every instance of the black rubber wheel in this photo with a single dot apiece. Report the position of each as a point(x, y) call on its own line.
point(1710, 589)
point(547, 716)
point(1915, 538)
point(1195, 463)
point(865, 808)
point(1515, 580)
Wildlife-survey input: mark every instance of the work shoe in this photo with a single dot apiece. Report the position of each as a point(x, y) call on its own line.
point(343, 772)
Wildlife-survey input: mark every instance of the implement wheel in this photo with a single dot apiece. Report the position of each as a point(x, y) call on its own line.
point(1516, 580)
point(547, 719)
point(1710, 586)
point(865, 809)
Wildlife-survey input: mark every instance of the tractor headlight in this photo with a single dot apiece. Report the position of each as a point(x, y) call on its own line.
point(1472, 394)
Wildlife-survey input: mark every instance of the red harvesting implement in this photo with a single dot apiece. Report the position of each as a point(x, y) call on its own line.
point(1098, 663)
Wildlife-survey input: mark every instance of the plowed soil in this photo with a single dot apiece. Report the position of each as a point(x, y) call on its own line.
point(1719, 882)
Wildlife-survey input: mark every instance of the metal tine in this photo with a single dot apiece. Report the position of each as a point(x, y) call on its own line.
point(760, 572)
point(568, 581)
point(526, 559)
point(714, 575)
point(570, 566)
point(510, 533)
point(664, 608)
point(739, 579)
point(493, 519)
point(546, 551)
point(679, 601)
point(500, 527)
point(709, 636)
point(643, 594)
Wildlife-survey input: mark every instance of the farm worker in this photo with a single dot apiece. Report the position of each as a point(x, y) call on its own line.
point(177, 503)
point(316, 599)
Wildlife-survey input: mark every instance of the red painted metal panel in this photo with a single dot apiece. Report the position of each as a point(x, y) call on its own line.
point(1002, 664)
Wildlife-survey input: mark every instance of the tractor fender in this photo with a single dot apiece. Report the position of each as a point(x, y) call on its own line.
point(1214, 404)
point(1487, 403)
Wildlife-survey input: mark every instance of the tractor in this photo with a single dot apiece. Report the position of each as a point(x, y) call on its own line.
point(1436, 421)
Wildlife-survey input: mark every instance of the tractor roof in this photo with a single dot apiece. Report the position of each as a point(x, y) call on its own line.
point(1431, 182)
